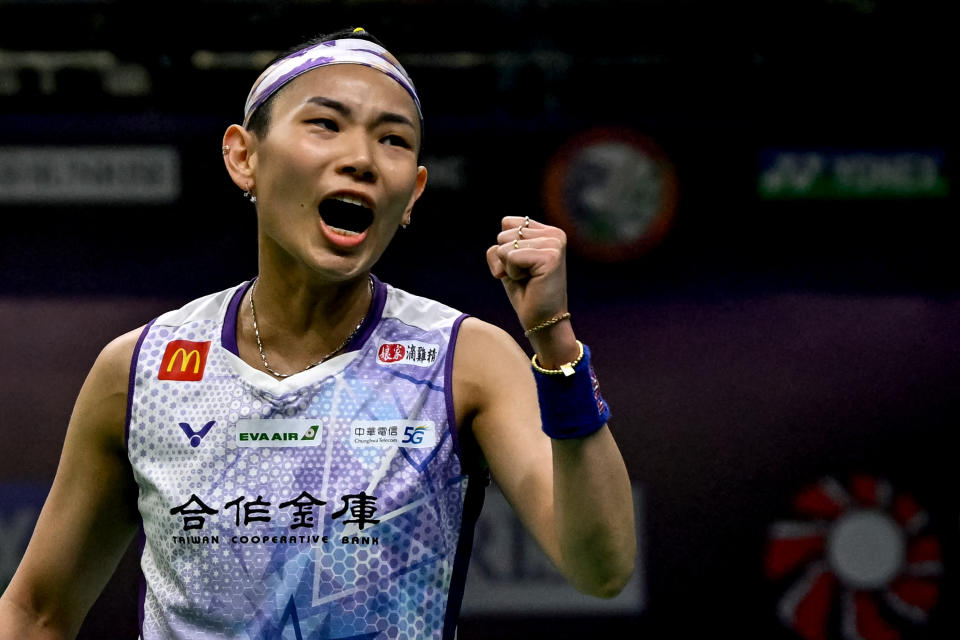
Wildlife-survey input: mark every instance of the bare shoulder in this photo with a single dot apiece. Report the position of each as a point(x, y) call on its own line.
point(117, 354)
point(110, 373)
point(478, 338)
point(485, 354)
point(104, 393)
point(491, 377)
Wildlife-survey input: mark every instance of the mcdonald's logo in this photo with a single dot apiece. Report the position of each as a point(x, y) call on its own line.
point(184, 360)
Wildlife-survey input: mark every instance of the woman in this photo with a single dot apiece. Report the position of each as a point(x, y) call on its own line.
point(306, 453)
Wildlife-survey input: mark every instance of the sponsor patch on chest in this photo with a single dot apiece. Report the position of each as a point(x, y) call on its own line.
point(413, 434)
point(283, 432)
point(184, 360)
point(420, 354)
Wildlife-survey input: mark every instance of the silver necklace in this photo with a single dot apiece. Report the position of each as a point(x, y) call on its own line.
point(263, 356)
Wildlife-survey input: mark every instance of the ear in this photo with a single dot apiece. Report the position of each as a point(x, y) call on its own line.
point(417, 192)
point(239, 155)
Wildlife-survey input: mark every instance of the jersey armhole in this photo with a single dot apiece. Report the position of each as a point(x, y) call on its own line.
point(131, 384)
point(464, 444)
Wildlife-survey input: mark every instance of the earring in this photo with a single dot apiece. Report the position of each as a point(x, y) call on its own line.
point(226, 149)
point(250, 196)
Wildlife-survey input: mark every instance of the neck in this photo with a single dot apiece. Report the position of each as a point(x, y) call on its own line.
point(295, 307)
point(299, 324)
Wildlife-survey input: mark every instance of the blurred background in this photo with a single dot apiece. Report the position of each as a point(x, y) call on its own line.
point(761, 206)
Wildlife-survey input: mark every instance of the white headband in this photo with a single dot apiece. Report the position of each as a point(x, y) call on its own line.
point(346, 51)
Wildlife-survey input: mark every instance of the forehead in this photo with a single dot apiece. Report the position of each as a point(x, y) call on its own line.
point(357, 86)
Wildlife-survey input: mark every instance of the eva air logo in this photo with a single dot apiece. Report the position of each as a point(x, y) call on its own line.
point(277, 432)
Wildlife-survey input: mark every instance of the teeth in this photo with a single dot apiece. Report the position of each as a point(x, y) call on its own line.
point(349, 200)
point(343, 232)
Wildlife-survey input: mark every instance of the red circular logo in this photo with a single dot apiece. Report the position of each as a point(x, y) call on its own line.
point(391, 352)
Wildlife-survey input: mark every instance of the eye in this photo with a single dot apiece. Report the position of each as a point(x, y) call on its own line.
point(395, 141)
point(325, 123)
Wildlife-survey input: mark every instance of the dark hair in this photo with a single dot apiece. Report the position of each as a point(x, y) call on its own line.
point(259, 121)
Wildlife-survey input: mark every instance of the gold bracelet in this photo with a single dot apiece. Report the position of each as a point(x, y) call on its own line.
point(564, 370)
point(547, 323)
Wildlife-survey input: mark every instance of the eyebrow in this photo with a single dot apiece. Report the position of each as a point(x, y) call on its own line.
point(385, 116)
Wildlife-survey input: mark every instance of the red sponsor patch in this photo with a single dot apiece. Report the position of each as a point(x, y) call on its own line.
point(184, 360)
point(391, 352)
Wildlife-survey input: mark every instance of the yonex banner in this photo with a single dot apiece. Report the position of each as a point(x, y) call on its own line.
point(846, 174)
point(104, 175)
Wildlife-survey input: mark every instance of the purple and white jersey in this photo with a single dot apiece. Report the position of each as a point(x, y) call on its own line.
point(330, 504)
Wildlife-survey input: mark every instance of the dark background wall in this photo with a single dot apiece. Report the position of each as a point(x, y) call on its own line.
point(765, 345)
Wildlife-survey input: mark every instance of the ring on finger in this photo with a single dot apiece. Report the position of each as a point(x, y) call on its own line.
point(520, 231)
point(526, 221)
point(516, 244)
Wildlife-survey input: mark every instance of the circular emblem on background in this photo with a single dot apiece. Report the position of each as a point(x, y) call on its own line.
point(858, 562)
point(613, 191)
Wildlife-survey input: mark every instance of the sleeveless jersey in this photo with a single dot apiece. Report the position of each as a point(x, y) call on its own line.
point(330, 504)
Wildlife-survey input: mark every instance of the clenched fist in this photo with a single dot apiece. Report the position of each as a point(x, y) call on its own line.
point(530, 259)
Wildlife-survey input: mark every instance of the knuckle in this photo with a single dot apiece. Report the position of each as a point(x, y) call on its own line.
point(554, 243)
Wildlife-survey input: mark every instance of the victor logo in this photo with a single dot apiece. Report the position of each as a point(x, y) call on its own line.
point(184, 360)
point(196, 436)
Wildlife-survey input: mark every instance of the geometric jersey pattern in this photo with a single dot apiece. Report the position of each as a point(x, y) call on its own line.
point(329, 504)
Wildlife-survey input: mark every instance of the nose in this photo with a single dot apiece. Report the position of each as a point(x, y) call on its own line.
point(357, 159)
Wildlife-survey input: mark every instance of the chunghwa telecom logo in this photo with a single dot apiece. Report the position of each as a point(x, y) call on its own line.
point(858, 562)
point(410, 434)
point(414, 435)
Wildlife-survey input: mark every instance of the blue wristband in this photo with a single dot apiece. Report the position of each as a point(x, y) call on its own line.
point(570, 405)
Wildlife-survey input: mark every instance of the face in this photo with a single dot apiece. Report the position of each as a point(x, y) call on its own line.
point(336, 173)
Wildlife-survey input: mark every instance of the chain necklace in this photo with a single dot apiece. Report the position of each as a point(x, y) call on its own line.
point(263, 356)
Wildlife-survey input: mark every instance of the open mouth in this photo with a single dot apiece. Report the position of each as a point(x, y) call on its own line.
point(346, 215)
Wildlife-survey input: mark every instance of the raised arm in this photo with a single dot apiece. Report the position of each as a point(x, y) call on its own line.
point(570, 488)
point(89, 516)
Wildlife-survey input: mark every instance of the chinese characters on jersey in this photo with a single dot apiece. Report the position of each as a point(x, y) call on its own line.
point(361, 508)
